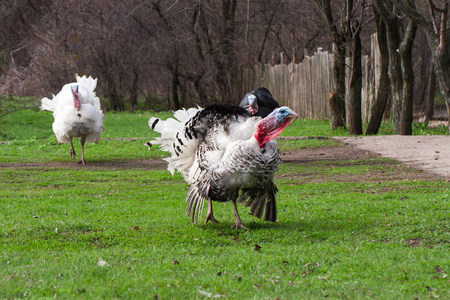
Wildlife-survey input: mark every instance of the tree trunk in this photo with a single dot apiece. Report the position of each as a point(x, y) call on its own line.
point(429, 108)
point(400, 65)
point(225, 58)
point(337, 99)
point(354, 92)
point(200, 92)
point(115, 101)
point(134, 92)
point(438, 39)
point(442, 67)
point(175, 98)
point(395, 73)
point(382, 94)
point(407, 112)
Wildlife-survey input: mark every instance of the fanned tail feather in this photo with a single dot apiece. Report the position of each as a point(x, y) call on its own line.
point(271, 209)
point(88, 82)
point(174, 139)
point(195, 199)
point(261, 201)
point(47, 104)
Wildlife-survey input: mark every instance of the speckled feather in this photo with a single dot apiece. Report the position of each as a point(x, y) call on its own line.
point(217, 153)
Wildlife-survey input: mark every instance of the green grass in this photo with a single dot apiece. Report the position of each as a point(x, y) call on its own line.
point(337, 236)
point(31, 139)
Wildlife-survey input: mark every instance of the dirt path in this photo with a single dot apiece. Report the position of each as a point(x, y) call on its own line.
point(428, 153)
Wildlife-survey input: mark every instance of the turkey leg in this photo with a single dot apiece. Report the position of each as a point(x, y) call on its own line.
point(82, 140)
point(210, 216)
point(72, 150)
point(238, 223)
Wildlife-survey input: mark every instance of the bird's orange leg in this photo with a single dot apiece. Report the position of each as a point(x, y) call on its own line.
point(210, 216)
point(238, 223)
point(82, 140)
point(72, 150)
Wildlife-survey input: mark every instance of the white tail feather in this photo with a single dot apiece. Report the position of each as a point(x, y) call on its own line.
point(47, 104)
point(173, 140)
point(88, 82)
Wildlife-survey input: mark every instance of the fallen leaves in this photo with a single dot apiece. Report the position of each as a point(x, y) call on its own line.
point(439, 270)
point(209, 295)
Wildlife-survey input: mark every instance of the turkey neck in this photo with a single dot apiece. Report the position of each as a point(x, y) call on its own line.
point(76, 99)
point(268, 129)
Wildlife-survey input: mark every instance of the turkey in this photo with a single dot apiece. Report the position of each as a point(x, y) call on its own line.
point(259, 102)
point(77, 113)
point(225, 154)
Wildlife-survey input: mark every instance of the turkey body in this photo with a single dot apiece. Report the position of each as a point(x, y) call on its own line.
point(77, 113)
point(265, 103)
point(221, 156)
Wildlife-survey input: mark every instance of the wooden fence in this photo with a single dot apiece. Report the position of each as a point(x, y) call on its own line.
point(306, 87)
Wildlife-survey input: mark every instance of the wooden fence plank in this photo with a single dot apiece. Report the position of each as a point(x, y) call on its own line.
point(306, 87)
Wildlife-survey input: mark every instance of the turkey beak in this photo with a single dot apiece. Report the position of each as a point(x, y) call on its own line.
point(292, 117)
point(252, 109)
point(252, 104)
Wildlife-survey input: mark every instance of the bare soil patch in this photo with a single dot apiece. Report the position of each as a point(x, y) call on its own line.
point(347, 153)
point(427, 153)
point(148, 164)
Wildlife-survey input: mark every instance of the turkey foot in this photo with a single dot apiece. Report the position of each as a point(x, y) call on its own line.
point(82, 140)
point(238, 223)
point(210, 216)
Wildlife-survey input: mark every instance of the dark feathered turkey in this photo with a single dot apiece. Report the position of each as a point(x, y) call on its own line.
point(259, 102)
point(225, 154)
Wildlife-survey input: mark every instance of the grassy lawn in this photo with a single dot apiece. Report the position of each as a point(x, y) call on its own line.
point(121, 232)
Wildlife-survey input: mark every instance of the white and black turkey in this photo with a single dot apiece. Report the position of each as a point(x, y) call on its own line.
point(225, 154)
point(259, 102)
point(77, 113)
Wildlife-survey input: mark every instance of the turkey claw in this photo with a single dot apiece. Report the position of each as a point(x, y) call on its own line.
point(82, 162)
point(238, 225)
point(210, 217)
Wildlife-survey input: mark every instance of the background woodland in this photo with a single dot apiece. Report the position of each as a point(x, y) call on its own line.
point(178, 53)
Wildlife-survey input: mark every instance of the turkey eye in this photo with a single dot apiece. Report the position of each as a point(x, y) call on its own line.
point(263, 150)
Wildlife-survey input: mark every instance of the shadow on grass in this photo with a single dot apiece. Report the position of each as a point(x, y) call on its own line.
point(305, 226)
point(306, 231)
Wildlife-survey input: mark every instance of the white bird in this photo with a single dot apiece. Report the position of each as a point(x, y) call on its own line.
point(225, 154)
point(77, 113)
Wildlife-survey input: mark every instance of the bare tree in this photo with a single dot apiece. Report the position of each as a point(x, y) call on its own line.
point(401, 73)
point(173, 58)
point(338, 38)
point(431, 93)
point(20, 18)
point(187, 51)
point(382, 94)
point(432, 16)
point(355, 12)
